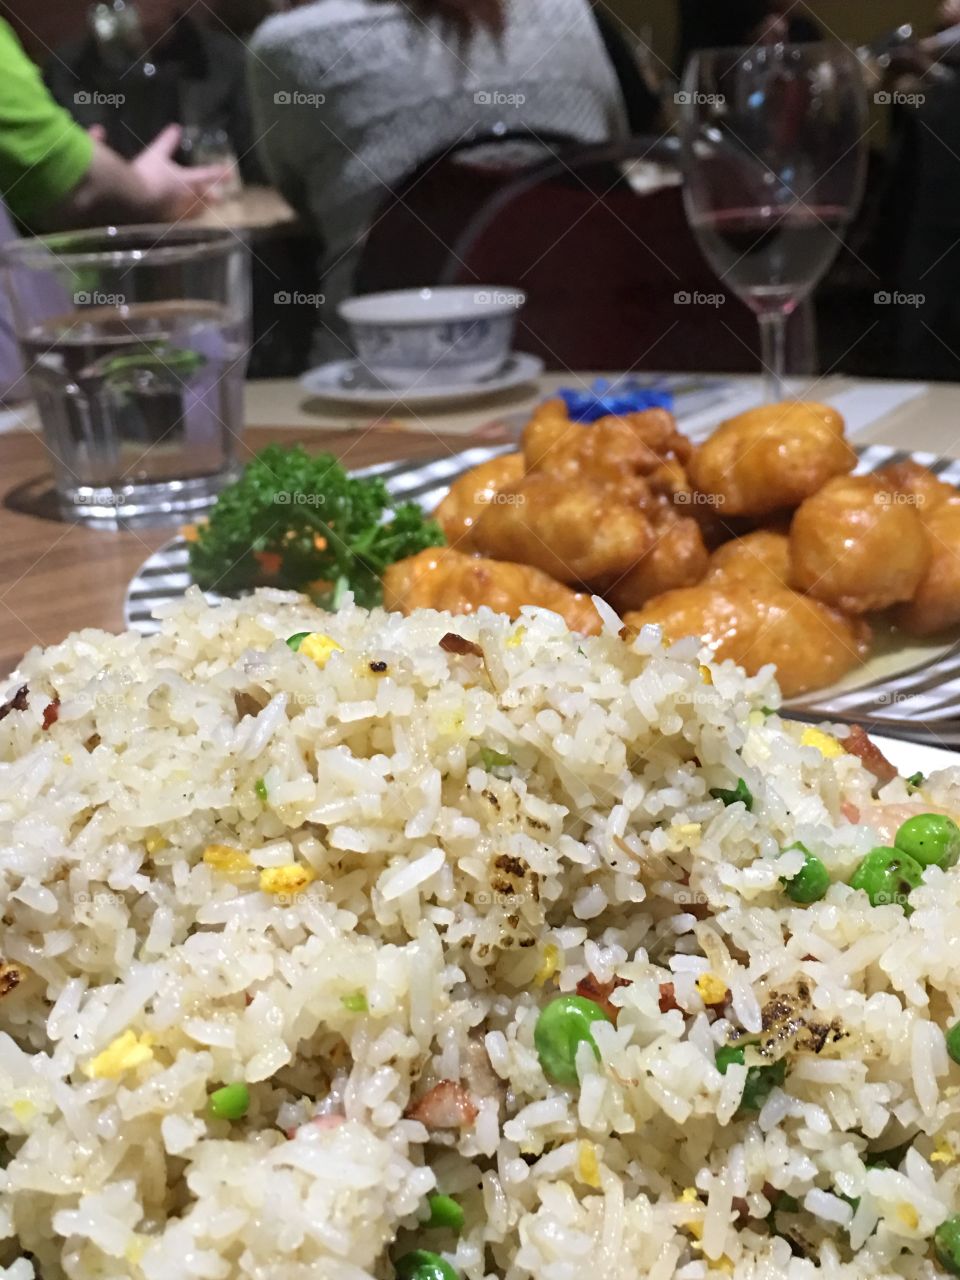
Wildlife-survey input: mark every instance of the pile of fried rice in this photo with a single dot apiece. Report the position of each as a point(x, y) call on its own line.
point(351, 876)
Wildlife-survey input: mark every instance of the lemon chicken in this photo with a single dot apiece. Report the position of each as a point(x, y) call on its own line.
point(445, 579)
point(574, 530)
point(852, 545)
point(472, 493)
point(771, 458)
point(811, 644)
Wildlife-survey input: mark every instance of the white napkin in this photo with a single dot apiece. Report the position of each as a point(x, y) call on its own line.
point(862, 404)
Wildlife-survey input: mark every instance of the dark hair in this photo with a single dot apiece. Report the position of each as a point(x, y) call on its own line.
point(466, 16)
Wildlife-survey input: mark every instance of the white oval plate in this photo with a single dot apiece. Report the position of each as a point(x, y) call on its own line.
point(344, 380)
point(909, 758)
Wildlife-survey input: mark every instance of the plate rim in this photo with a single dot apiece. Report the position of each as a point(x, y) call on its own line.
point(527, 366)
point(933, 684)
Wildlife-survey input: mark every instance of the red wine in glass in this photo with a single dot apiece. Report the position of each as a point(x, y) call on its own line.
point(772, 257)
point(774, 158)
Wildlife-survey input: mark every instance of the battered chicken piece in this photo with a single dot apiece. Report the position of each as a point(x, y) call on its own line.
point(470, 496)
point(445, 579)
point(853, 546)
point(759, 559)
point(810, 644)
point(574, 530)
point(935, 606)
point(620, 453)
point(678, 558)
point(917, 485)
point(771, 457)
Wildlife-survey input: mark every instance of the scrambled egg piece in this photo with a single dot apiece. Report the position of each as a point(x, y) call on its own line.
point(943, 1152)
point(713, 990)
point(319, 648)
point(690, 1195)
point(549, 965)
point(288, 879)
point(123, 1054)
point(223, 857)
point(826, 744)
point(683, 835)
point(154, 843)
point(515, 639)
point(588, 1166)
point(908, 1215)
point(706, 675)
point(135, 1249)
point(23, 1110)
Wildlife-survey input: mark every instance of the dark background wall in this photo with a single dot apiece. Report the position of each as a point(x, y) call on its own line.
point(852, 20)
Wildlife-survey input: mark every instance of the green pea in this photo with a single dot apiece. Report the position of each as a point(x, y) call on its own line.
point(357, 1003)
point(740, 794)
point(294, 642)
point(760, 1080)
point(421, 1264)
point(760, 1084)
point(494, 759)
point(888, 875)
point(946, 1245)
point(932, 839)
point(564, 1025)
point(260, 787)
point(444, 1212)
point(728, 1054)
point(812, 880)
point(953, 1042)
point(229, 1103)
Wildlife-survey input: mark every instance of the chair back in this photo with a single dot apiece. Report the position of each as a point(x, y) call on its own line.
point(598, 239)
point(411, 235)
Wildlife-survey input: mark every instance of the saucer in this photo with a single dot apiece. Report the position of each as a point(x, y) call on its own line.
point(348, 380)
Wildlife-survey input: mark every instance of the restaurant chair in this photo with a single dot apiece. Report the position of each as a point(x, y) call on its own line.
point(597, 238)
point(410, 236)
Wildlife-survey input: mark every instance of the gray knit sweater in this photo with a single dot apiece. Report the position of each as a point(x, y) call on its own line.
point(350, 96)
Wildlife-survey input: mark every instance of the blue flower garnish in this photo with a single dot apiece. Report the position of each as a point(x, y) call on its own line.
point(628, 395)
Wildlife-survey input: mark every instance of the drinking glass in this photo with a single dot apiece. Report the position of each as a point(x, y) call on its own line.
point(135, 342)
point(200, 144)
point(774, 153)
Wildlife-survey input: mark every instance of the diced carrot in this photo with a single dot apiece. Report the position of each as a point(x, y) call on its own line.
point(269, 561)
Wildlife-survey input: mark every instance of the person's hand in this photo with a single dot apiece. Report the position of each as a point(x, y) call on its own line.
point(949, 13)
point(98, 133)
point(172, 188)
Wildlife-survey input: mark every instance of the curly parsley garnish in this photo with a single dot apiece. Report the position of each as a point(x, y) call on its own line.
point(300, 522)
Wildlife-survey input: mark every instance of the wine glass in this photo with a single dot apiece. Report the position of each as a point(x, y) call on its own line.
point(775, 160)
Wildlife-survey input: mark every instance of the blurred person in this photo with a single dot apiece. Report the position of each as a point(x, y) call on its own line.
point(241, 17)
point(147, 64)
point(719, 24)
point(54, 174)
point(924, 212)
point(351, 96)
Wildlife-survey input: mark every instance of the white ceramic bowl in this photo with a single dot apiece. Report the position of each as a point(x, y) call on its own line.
point(425, 337)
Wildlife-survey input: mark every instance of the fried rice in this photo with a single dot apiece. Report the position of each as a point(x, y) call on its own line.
point(350, 878)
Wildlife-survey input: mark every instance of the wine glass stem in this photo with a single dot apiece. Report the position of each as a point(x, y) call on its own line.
point(773, 340)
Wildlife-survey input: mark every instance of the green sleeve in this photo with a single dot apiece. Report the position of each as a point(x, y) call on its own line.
point(43, 152)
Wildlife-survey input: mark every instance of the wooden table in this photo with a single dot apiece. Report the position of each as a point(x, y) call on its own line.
point(256, 210)
point(56, 578)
